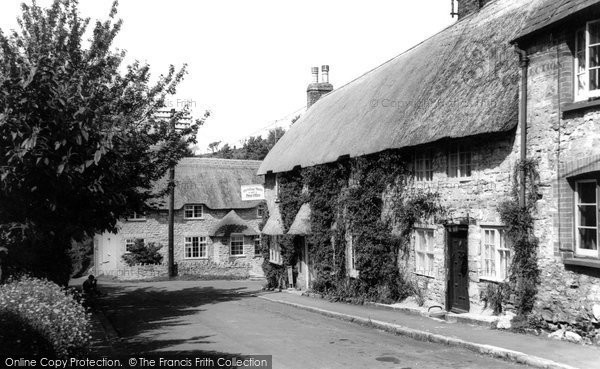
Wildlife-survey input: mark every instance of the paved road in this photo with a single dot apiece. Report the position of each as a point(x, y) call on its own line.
point(223, 318)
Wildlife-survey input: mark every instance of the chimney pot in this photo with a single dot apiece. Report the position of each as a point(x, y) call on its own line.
point(315, 89)
point(315, 74)
point(325, 73)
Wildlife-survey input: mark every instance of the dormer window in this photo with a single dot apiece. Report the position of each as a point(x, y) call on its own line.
point(192, 212)
point(587, 61)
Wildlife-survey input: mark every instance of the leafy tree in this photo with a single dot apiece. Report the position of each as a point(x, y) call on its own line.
point(214, 146)
point(254, 148)
point(80, 140)
point(141, 253)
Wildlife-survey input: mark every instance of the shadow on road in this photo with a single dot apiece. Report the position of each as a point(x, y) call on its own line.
point(139, 312)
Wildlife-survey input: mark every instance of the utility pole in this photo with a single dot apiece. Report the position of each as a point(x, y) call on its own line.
point(172, 272)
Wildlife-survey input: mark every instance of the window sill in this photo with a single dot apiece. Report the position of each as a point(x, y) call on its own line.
point(201, 258)
point(237, 256)
point(194, 218)
point(136, 220)
point(584, 262)
point(580, 105)
point(257, 256)
point(424, 275)
point(491, 279)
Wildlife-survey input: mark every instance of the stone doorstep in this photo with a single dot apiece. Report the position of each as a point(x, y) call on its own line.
point(449, 317)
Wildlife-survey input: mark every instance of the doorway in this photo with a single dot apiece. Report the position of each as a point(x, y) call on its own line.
point(458, 270)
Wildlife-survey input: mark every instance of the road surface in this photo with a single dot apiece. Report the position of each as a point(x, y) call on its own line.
point(194, 318)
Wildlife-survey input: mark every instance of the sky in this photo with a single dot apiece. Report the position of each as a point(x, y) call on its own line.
point(249, 62)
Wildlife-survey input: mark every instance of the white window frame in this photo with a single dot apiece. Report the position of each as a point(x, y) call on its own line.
point(578, 250)
point(136, 217)
point(421, 172)
point(586, 93)
point(257, 246)
point(237, 244)
point(424, 251)
point(130, 241)
point(260, 210)
point(353, 272)
point(193, 208)
point(275, 251)
point(496, 254)
point(197, 247)
point(463, 169)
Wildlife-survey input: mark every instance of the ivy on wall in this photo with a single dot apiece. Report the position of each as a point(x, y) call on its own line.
point(290, 201)
point(367, 198)
point(524, 270)
point(324, 184)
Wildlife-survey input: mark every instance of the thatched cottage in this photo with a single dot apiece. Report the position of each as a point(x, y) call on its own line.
point(464, 108)
point(215, 232)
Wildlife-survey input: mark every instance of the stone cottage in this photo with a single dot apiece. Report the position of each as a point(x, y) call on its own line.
point(465, 108)
point(561, 41)
point(215, 232)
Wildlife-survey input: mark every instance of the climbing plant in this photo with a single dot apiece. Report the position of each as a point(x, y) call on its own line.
point(324, 184)
point(524, 270)
point(290, 201)
point(366, 200)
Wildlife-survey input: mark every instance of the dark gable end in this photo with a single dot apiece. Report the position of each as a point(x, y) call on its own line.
point(547, 13)
point(461, 82)
point(215, 183)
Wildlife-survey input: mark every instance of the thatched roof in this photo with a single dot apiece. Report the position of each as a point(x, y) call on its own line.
point(461, 82)
point(215, 183)
point(301, 224)
point(233, 223)
point(274, 225)
point(550, 12)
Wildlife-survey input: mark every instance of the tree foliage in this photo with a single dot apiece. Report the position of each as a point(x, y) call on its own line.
point(254, 148)
point(80, 142)
point(142, 254)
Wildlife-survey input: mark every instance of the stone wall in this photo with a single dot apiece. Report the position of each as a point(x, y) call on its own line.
point(155, 229)
point(472, 200)
point(561, 140)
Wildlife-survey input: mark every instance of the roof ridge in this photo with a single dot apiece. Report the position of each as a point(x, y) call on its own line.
point(391, 59)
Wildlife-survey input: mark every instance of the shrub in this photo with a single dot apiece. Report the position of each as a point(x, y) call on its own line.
point(141, 253)
point(49, 310)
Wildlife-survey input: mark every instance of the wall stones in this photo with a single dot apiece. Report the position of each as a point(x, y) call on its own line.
point(218, 260)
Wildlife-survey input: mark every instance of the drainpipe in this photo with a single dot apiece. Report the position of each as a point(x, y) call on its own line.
point(524, 64)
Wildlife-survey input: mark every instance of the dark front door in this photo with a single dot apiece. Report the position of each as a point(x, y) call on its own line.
point(458, 282)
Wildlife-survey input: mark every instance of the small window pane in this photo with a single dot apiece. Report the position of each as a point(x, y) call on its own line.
point(581, 85)
point(587, 239)
point(594, 79)
point(580, 40)
point(586, 192)
point(587, 215)
point(594, 30)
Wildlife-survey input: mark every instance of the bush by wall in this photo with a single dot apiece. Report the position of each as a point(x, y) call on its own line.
point(143, 254)
point(50, 311)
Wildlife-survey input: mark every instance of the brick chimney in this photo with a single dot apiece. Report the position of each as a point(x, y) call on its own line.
point(466, 7)
point(317, 89)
